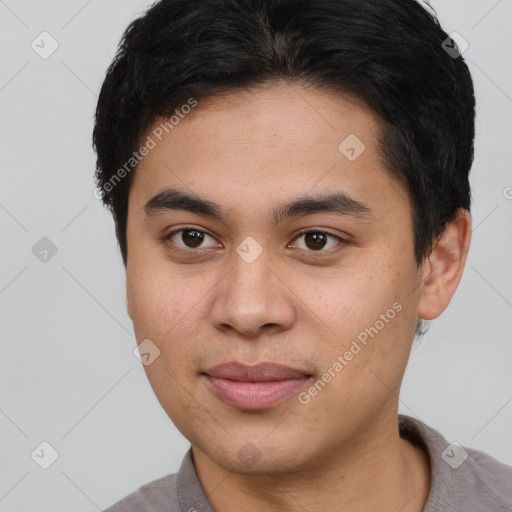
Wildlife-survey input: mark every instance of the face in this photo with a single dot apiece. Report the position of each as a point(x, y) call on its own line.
point(229, 276)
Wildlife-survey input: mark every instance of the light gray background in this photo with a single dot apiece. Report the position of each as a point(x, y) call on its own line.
point(68, 374)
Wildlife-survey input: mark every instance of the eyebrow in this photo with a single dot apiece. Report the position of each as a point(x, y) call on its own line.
point(338, 203)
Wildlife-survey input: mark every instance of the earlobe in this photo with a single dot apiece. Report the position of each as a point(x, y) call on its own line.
point(443, 269)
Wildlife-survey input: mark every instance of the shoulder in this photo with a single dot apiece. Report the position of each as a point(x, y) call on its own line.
point(157, 496)
point(171, 493)
point(461, 478)
point(488, 480)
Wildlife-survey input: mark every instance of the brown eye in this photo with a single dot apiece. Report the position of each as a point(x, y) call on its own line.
point(192, 237)
point(317, 241)
point(188, 239)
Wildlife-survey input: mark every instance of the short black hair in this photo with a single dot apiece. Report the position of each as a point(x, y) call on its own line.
point(389, 53)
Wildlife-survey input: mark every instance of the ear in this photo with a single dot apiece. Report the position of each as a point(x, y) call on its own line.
point(442, 271)
point(128, 309)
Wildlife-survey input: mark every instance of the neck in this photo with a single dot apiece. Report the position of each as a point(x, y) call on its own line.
point(378, 471)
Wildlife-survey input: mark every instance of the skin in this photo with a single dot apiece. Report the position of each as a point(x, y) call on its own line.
point(296, 304)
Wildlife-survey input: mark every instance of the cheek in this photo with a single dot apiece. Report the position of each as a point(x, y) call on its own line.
point(371, 322)
point(161, 301)
point(165, 310)
point(349, 302)
point(362, 371)
point(171, 311)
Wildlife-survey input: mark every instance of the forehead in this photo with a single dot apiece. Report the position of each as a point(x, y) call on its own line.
point(249, 150)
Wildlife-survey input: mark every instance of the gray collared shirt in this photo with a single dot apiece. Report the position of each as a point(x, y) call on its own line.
point(463, 480)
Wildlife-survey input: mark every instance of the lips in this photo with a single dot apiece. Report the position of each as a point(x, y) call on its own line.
point(262, 372)
point(254, 387)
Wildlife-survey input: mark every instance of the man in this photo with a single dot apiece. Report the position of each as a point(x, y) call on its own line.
point(289, 182)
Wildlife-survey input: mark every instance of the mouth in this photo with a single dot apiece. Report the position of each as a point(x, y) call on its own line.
point(261, 386)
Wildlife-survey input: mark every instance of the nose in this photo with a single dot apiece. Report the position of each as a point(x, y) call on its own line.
point(253, 299)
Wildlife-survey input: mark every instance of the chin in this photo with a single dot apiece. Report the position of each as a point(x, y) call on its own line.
point(259, 454)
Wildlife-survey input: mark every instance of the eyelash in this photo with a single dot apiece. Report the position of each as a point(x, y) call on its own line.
point(167, 241)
